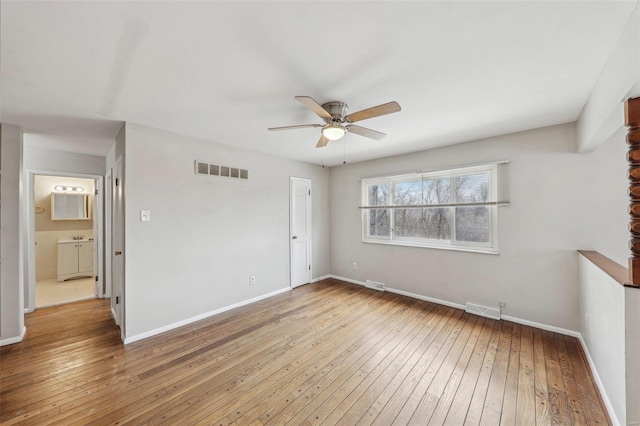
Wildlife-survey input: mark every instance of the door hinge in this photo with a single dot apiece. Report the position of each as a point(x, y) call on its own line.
point(117, 300)
point(117, 181)
point(309, 267)
point(96, 278)
point(309, 192)
point(95, 192)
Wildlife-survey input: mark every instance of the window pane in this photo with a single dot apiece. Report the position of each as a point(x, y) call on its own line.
point(433, 223)
point(409, 223)
point(438, 223)
point(407, 193)
point(437, 191)
point(379, 221)
point(472, 224)
point(378, 195)
point(472, 188)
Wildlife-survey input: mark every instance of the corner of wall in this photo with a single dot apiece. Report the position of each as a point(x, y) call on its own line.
point(602, 115)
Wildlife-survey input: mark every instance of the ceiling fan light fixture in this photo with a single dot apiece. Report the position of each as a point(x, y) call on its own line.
point(333, 131)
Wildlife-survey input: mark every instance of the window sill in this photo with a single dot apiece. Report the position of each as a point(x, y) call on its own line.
point(409, 244)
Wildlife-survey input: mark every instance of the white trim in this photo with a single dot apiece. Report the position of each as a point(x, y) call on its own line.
point(27, 310)
point(324, 277)
point(409, 243)
point(166, 328)
point(541, 326)
point(491, 247)
point(12, 340)
point(460, 306)
point(349, 280)
point(29, 217)
point(489, 163)
point(425, 298)
point(113, 314)
point(601, 388)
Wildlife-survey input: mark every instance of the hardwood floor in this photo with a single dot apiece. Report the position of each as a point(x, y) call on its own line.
point(326, 353)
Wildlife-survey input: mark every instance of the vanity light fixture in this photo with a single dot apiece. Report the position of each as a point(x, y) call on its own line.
point(69, 188)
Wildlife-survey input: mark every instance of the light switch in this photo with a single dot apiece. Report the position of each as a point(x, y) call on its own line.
point(145, 216)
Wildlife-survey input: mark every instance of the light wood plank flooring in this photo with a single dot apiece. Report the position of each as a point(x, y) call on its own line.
point(325, 353)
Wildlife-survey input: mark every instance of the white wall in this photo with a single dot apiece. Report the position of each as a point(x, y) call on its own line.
point(553, 211)
point(603, 113)
point(45, 161)
point(11, 276)
point(602, 325)
point(632, 349)
point(607, 219)
point(208, 234)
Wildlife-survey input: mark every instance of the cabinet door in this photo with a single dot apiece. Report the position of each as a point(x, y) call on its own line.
point(85, 257)
point(67, 258)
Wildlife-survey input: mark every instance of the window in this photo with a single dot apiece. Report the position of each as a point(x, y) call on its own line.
point(452, 209)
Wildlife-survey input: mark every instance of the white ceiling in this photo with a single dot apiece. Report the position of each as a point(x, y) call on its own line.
point(72, 72)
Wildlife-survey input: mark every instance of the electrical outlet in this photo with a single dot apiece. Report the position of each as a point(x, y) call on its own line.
point(355, 265)
point(501, 304)
point(252, 280)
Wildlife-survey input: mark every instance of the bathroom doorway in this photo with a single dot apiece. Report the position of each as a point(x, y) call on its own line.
point(65, 229)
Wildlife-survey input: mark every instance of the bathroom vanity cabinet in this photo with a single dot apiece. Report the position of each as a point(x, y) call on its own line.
point(75, 259)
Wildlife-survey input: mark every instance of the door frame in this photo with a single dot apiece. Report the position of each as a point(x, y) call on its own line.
point(309, 245)
point(118, 287)
point(31, 231)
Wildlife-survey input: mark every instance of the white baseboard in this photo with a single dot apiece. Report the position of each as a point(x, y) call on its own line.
point(460, 306)
point(12, 340)
point(349, 280)
point(601, 388)
point(541, 326)
point(165, 328)
point(425, 298)
point(315, 280)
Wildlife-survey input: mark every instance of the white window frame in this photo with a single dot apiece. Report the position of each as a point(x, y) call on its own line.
point(492, 204)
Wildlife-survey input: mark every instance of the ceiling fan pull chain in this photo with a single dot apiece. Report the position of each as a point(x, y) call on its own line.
point(344, 152)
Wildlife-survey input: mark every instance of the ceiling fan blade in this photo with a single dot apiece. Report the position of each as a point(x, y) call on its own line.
point(299, 126)
point(388, 108)
point(314, 106)
point(367, 133)
point(322, 142)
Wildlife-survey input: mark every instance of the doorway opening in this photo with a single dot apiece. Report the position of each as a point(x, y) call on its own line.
point(67, 236)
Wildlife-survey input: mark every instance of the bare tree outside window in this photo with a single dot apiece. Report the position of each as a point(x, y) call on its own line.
point(379, 219)
point(472, 223)
point(413, 213)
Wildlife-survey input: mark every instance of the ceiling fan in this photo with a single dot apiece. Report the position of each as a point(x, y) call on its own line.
point(337, 122)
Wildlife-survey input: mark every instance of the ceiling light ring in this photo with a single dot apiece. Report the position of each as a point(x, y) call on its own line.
point(334, 130)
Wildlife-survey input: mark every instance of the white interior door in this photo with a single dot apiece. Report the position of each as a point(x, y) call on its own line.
point(117, 246)
point(300, 231)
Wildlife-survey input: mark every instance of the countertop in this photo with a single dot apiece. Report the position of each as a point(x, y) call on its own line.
point(69, 240)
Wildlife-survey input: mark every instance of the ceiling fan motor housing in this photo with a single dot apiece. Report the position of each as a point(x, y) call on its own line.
point(338, 110)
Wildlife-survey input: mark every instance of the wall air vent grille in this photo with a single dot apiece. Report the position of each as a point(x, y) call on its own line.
point(483, 311)
point(374, 285)
point(203, 168)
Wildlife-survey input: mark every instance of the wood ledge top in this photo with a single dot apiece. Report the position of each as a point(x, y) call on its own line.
point(616, 271)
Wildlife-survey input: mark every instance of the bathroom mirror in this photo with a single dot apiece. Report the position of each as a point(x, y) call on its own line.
point(70, 206)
